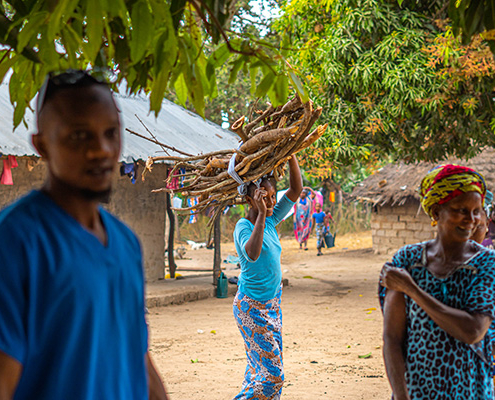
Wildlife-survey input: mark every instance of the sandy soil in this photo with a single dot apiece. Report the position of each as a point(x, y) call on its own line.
point(331, 320)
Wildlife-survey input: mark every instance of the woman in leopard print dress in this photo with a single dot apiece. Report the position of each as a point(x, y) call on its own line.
point(438, 298)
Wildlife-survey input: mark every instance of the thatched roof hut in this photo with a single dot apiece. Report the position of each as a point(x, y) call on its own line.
point(395, 184)
point(397, 218)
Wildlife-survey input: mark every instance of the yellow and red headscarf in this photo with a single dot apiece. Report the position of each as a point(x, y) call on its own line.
point(446, 182)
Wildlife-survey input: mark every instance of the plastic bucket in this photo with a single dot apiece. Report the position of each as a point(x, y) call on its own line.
point(222, 286)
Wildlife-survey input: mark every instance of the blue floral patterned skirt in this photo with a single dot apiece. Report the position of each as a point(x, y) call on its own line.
point(260, 324)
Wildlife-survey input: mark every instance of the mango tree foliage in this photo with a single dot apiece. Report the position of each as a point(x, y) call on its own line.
point(385, 85)
point(473, 17)
point(154, 45)
point(469, 17)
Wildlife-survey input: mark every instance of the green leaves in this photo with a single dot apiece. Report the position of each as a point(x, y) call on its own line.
point(142, 30)
point(158, 90)
point(94, 27)
point(5, 65)
point(281, 89)
point(60, 15)
point(298, 86)
point(181, 89)
point(385, 85)
point(155, 45)
point(265, 85)
point(29, 30)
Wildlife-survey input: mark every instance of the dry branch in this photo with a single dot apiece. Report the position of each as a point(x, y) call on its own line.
point(237, 128)
point(268, 142)
point(155, 141)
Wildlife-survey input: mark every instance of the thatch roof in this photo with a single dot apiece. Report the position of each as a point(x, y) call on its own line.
point(395, 184)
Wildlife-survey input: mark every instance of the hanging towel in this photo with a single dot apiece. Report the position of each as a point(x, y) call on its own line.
point(8, 163)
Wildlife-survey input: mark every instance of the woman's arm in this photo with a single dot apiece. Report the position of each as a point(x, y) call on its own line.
point(10, 373)
point(295, 181)
point(394, 335)
point(155, 385)
point(466, 327)
point(255, 242)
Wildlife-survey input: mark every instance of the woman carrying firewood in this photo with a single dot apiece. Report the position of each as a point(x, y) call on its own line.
point(438, 298)
point(257, 303)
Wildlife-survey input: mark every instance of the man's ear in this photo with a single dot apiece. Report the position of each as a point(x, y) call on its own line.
point(38, 141)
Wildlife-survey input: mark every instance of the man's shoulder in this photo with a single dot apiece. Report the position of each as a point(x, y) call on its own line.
point(118, 226)
point(22, 210)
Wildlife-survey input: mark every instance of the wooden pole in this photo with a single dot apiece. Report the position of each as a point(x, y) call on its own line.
point(217, 259)
point(177, 230)
point(171, 262)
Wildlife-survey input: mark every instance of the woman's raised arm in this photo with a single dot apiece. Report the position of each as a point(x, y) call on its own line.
point(295, 180)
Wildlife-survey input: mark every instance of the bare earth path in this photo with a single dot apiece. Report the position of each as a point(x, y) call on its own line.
point(331, 318)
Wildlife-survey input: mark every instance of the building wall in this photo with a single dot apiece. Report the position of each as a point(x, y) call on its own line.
point(145, 213)
point(134, 204)
point(394, 227)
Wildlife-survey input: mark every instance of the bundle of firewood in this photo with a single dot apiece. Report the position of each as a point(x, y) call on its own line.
point(268, 141)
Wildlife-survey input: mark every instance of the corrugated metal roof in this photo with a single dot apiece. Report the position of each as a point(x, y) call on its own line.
point(174, 126)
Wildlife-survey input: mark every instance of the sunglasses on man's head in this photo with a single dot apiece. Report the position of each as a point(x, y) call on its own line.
point(57, 81)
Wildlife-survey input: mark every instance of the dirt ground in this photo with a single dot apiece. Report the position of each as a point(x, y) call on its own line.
point(331, 330)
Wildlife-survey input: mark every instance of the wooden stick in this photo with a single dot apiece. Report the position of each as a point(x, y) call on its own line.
point(157, 142)
point(261, 139)
point(151, 134)
point(251, 125)
point(237, 128)
point(195, 158)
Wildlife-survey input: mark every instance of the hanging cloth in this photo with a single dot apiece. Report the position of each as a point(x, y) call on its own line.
point(8, 163)
point(174, 181)
point(129, 169)
point(192, 201)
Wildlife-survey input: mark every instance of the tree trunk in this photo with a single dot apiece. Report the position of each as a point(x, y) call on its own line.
point(171, 262)
point(217, 259)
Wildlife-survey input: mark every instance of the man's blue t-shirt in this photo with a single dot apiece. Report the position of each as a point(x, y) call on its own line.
point(319, 217)
point(261, 279)
point(71, 309)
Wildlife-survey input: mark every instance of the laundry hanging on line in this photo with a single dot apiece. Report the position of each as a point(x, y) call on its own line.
point(191, 202)
point(8, 163)
point(129, 169)
point(175, 183)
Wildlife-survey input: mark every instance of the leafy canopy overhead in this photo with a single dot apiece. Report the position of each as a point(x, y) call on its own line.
point(392, 82)
point(154, 45)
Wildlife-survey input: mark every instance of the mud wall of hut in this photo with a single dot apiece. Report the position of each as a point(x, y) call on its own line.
point(134, 204)
point(394, 227)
